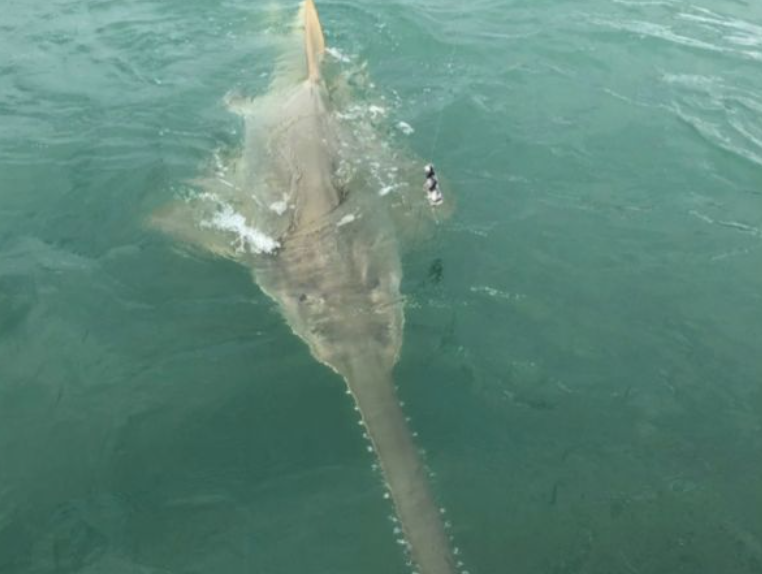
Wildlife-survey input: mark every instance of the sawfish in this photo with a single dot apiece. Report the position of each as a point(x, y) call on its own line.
point(300, 206)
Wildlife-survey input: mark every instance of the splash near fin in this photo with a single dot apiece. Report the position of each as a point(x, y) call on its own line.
point(314, 42)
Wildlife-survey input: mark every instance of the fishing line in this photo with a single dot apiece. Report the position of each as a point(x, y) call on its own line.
point(438, 129)
point(434, 143)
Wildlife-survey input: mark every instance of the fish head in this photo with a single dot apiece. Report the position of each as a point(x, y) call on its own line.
point(339, 290)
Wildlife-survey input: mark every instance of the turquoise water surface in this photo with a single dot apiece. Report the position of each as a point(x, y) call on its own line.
point(583, 339)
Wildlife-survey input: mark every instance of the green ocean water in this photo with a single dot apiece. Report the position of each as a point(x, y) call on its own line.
point(582, 343)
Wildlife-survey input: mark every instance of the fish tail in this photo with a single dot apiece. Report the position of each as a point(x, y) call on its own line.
point(314, 41)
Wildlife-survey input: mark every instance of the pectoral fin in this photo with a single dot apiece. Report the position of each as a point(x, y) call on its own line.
point(183, 220)
point(214, 223)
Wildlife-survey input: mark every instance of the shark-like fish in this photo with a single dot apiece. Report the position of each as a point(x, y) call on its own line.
point(301, 207)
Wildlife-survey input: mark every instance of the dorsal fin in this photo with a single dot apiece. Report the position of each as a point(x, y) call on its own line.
point(314, 42)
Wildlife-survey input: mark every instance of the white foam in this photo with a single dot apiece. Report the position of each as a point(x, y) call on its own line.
point(405, 128)
point(348, 218)
point(736, 225)
point(701, 216)
point(387, 189)
point(496, 293)
point(248, 238)
point(337, 54)
point(376, 111)
point(218, 164)
point(207, 196)
point(279, 207)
